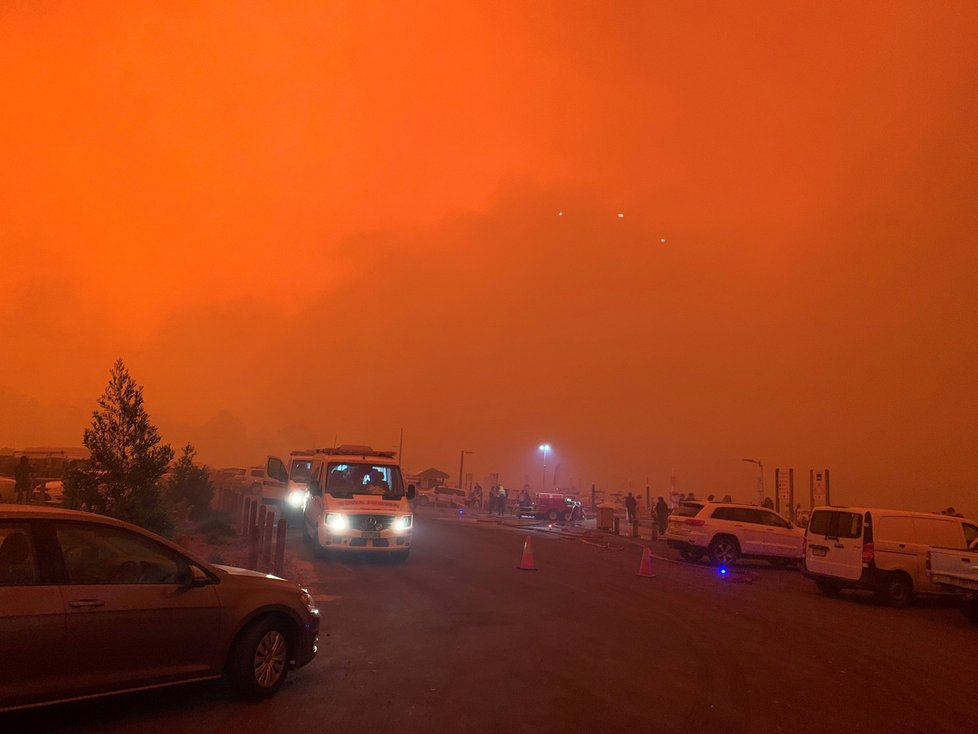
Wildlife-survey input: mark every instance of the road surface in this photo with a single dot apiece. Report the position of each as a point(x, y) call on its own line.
point(456, 638)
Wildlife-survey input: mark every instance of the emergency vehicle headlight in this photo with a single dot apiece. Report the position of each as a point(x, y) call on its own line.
point(403, 522)
point(337, 521)
point(296, 498)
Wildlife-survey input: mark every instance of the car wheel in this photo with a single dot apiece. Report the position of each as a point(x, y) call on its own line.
point(896, 590)
point(969, 608)
point(724, 551)
point(552, 516)
point(827, 587)
point(317, 548)
point(259, 661)
point(690, 555)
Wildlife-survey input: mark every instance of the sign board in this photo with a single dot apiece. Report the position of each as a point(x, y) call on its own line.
point(819, 482)
point(784, 480)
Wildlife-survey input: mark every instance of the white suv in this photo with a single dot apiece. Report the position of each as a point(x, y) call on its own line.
point(725, 532)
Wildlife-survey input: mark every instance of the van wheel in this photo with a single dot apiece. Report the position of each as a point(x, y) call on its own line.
point(259, 660)
point(969, 608)
point(724, 551)
point(827, 588)
point(896, 590)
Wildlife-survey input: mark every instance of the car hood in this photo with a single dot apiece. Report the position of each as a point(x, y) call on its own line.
point(246, 577)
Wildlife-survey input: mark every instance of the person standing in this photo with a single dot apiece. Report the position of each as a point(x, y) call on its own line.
point(501, 501)
point(662, 515)
point(630, 506)
point(23, 480)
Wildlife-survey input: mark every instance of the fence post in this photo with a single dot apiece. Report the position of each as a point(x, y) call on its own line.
point(280, 547)
point(253, 547)
point(266, 540)
point(251, 510)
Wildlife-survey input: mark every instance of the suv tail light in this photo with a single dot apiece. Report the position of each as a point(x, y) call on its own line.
point(694, 522)
point(868, 553)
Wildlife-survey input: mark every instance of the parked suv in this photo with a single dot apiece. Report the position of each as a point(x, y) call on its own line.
point(92, 606)
point(725, 532)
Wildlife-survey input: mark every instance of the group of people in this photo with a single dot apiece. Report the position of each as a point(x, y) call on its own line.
point(497, 500)
point(658, 512)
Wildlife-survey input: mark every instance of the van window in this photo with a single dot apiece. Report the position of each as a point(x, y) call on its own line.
point(835, 524)
point(942, 533)
point(970, 534)
point(896, 528)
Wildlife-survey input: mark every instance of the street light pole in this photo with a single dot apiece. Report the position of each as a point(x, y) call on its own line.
point(760, 482)
point(545, 448)
point(461, 464)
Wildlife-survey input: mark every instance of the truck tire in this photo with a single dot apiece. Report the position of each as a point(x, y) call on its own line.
point(552, 516)
point(895, 589)
point(969, 608)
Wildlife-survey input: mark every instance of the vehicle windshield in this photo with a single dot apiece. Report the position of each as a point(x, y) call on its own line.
point(344, 480)
point(300, 469)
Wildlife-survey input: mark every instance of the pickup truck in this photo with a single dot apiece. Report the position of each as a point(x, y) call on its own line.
point(957, 571)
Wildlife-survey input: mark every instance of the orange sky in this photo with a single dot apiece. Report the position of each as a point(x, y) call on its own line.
point(301, 221)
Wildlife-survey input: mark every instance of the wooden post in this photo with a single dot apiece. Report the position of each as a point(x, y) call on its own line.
point(252, 512)
point(253, 547)
point(279, 568)
point(266, 540)
point(261, 525)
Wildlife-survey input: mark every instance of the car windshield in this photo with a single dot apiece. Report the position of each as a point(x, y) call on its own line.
point(343, 480)
point(300, 470)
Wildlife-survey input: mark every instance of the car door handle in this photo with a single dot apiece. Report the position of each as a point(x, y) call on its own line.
point(81, 603)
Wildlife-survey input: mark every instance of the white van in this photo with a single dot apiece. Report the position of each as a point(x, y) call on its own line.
point(356, 501)
point(884, 551)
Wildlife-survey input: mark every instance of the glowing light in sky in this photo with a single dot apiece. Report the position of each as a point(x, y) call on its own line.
point(620, 215)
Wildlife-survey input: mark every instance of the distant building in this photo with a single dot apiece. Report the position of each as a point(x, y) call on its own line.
point(430, 478)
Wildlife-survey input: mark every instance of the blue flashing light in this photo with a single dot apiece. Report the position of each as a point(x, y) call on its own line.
point(722, 570)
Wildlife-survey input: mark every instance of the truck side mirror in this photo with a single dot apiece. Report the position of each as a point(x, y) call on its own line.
point(411, 491)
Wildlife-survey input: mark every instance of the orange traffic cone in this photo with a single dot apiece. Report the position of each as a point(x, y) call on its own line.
point(526, 563)
point(645, 567)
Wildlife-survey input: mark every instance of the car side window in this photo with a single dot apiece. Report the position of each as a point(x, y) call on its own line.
point(18, 560)
point(723, 513)
point(970, 535)
point(744, 514)
point(774, 520)
point(102, 554)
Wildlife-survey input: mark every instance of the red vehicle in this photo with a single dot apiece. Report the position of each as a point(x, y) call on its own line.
point(551, 506)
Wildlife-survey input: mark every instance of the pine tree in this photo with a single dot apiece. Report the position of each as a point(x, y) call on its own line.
point(190, 484)
point(121, 478)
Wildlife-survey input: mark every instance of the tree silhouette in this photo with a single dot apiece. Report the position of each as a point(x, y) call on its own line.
point(121, 478)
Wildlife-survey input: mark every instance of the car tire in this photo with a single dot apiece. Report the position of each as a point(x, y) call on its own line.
point(895, 590)
point(969, 608)
point(693, 556)
point(827, 587)
point(552, 516)
point(724, 550)
point(317, 548)
point(259, 661)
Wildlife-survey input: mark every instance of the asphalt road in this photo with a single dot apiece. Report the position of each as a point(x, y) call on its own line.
point(457, 639)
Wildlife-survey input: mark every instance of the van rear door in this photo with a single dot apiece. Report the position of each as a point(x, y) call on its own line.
point(835, 543)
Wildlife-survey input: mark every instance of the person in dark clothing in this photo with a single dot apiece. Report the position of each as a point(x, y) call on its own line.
point(630, 506)
point(22, 480)
point(661, 515)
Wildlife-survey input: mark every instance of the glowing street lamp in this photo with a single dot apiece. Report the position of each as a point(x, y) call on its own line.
point(545, 448)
